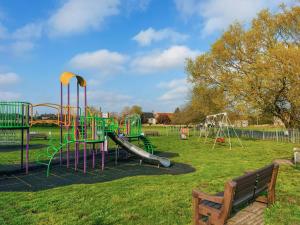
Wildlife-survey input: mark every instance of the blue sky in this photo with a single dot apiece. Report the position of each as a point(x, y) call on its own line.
point(129, 51)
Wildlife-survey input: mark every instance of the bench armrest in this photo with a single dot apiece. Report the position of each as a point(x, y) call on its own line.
point(211, 198)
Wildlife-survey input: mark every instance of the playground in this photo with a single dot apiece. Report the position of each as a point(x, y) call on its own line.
point(132, 194)
point(83, 167)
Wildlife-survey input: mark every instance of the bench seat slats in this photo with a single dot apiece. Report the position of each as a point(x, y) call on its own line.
point(213, 204)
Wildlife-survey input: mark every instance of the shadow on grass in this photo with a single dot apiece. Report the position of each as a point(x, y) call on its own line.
point(63, 176)
point(166, 154)
point(12, 148)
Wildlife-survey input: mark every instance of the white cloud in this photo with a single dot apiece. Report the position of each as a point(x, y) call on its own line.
point(176, 90)
point(9, 96)
point(187, 8)
point(102, 61)
point(8, 79)
point(109, 100)
point(168, 59)
point(135, 5)
point(22, 40)
point(21, 47)
point(218, 14)
point(76, 16)
point(28, 32)
point(3, 32)
point(147, 37)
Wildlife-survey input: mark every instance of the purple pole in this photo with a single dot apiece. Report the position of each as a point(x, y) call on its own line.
point(85, 132)
point(27, 150)
point(93, 158)
point(61, 122)
point(94, 138)
point(106, 148)
point(76, 130)
point(102, 156)
point(22, 138)
point(68, 128)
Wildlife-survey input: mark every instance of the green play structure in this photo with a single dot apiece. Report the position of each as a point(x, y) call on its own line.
point(133, 131)
point(79, 127)
point(14, 116)
point(94, 129)
point(86, 130)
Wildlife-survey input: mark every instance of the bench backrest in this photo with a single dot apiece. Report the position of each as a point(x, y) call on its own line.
point(249, 186)
point(264, 176)
point(244, 190)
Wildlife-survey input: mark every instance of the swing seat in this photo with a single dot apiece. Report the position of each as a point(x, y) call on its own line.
point(220, 140)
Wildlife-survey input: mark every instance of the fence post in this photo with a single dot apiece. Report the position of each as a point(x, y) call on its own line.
point(293, 136)
point(276, 135)
point(263, 135)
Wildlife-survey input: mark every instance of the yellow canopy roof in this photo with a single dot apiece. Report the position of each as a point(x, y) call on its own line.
point(67, 76)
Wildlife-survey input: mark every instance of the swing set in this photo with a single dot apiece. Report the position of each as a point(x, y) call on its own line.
point(219, 126)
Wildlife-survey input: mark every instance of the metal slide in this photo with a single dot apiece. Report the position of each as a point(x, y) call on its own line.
point(152, 159)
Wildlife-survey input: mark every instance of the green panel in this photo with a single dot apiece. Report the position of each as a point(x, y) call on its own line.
point(133, 126)
point(14, 115)
point(94, 132)
point(111, 125)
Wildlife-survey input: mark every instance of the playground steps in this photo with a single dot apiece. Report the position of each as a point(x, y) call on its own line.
point(147, 144)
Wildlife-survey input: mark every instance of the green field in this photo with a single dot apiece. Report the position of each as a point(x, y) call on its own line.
point(132, 194)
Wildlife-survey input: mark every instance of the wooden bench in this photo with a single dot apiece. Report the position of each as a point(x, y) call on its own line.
point(216, 209)
point(35, 135)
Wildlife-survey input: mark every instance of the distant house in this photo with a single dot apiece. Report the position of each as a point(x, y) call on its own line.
point(157, 114)
point(151, 117)
point(152, 121)
point(148, 117)
point(163, 118)
point(241, 123)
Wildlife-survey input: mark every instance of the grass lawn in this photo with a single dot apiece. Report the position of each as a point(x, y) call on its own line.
point(134, 194)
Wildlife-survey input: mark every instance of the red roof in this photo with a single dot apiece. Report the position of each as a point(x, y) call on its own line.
point(160, 114)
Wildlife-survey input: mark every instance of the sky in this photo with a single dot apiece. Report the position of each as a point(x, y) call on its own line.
point(129, 51)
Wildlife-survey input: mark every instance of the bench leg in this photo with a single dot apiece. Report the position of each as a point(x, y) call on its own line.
point(272, 184)
point(196, 211)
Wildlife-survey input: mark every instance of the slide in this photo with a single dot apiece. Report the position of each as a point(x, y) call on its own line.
point(153, 159)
